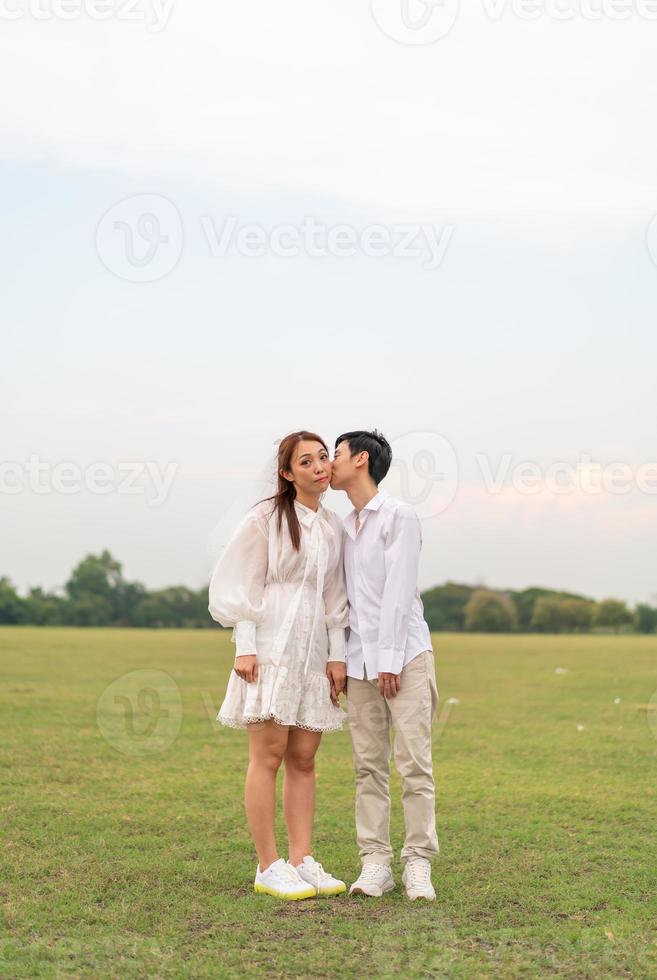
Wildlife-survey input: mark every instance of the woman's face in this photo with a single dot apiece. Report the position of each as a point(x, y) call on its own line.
point(310, 468)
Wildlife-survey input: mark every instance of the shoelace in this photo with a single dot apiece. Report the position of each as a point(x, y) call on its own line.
point(290, 875)
point(371, 871)
point(319, 873)
point(418, 874)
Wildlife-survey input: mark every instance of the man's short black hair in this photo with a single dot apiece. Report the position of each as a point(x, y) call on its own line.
point(374, 443)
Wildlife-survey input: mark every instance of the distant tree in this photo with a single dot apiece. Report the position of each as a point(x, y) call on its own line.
point(490, 612)
point(555, 615)
point(101, 577)
point(12, 609)
point(546, 616)
point(153, 611)
point(579, 613)
point(45, 608)
point(645, 618)
point(125, 599)
point(612, 613)
point(89, 610)
point(177, 606)
point(444, 606)
point(526, 600)
point(95, 574)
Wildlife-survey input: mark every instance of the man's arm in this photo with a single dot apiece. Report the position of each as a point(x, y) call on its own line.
point(402, 559)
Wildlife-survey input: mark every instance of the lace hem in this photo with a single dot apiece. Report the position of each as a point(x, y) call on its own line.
point(252, 719)
point(286, 695)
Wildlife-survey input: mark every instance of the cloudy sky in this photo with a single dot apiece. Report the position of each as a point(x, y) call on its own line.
point(224, 222)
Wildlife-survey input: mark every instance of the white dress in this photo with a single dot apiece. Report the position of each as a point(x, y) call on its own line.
point(288, 607)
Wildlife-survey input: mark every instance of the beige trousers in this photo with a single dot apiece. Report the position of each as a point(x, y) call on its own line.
point(371, 717)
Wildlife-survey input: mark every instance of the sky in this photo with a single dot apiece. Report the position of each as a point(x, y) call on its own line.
point(222, 223)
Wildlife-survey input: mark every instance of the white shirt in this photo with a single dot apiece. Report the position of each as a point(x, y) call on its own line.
point(387, 628)
point(280, 601)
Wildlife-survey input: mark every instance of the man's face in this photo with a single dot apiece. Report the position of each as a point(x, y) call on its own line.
point(344, 466)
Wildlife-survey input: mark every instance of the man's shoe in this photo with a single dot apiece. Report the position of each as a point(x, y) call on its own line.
point(417, 879)
point(324, 883)
point(281, 880)
point(374, 880)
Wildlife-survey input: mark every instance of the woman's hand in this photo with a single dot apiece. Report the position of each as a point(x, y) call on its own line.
point(336, 671)
point(247, 667)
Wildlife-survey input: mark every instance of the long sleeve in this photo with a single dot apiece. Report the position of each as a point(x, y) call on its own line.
point(402, 557)
point(336, 604)
point(238, 581)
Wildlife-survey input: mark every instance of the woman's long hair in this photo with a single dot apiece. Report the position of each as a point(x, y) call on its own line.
point(283, 499)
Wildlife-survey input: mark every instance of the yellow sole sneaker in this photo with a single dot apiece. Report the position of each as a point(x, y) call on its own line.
point(304, 893)
point(337, 890)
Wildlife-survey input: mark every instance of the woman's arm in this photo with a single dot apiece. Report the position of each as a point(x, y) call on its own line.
point(336, 604)
point(336, 607)
point(236, 591)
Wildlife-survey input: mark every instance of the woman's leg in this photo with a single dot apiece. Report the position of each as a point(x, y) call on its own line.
point(299, 791)
point(267, 743)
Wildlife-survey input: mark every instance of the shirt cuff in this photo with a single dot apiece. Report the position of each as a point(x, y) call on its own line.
point(390, 661)
point(336, 641)
point(244, 638)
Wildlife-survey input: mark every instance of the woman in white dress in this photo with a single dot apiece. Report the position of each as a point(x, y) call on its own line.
point(280, 584)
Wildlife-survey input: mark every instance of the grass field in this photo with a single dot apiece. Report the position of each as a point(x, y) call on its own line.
point(126, 854)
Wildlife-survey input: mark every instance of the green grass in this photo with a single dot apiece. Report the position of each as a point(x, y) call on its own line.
point(118, 864)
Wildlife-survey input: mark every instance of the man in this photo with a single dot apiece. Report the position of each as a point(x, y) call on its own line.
point(390, 669)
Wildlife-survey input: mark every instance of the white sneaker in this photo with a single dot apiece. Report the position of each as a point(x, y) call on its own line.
point(282, 880)
point(324, 883)
point(374, 880)
point(417, 879)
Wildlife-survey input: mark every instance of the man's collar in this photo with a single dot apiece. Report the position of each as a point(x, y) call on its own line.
point(350, 520)
point(376, 501)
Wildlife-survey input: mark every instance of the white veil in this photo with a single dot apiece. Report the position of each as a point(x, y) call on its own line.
point(246, 490)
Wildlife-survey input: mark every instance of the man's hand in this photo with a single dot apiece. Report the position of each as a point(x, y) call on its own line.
point(389, 684)
point(247, 667)
point(336, 671)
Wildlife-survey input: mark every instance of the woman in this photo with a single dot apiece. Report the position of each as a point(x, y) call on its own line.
point(280, 585)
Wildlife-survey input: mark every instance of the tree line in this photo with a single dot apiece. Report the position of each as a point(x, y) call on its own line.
point(469, 608)
point(97, 594)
